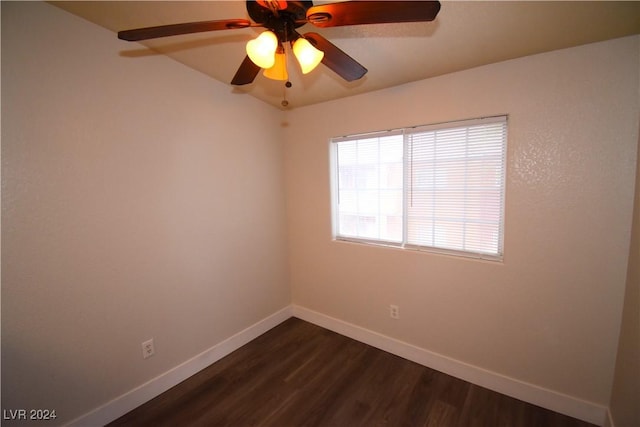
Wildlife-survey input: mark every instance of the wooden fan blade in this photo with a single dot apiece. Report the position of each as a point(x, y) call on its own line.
point(372, 12)
point(246, 73)
point(334, 58)
point(178, 29)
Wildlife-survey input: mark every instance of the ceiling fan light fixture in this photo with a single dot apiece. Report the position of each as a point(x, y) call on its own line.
point(262, 49)
point(281, 18)
point(308, 56)
point(279, 69)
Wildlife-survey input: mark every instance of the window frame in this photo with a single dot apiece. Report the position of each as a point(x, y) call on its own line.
point(405, 133)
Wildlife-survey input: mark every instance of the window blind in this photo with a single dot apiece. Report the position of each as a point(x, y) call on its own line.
point(438, 187)
point(456, 187)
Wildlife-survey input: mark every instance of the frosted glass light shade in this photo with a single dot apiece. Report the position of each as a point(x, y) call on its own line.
point(308, 56)
point(262, 50)
point(279, 69)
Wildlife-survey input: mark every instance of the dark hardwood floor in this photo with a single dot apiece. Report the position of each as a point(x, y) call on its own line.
point(299, 374)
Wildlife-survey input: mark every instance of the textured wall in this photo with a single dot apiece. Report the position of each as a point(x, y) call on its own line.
point(137, 202)
point(549, 314)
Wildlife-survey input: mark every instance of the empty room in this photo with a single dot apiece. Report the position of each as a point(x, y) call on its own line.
point(420, 213)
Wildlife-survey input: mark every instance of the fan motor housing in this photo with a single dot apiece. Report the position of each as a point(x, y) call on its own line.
point(285, 22)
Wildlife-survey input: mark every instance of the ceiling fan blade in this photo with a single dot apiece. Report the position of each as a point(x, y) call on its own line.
point(334, 58)
point(178, 29)
point(372, 12)
point(246, 73)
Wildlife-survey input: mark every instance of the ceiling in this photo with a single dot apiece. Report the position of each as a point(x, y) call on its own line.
point(465, 34)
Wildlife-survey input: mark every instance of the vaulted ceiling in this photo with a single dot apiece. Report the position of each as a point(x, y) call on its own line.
point(465, 34)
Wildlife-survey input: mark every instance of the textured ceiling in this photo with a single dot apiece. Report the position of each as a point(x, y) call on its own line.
point(464, 35)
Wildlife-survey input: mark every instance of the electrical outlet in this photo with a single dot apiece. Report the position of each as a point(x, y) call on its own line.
point(148, 349)
point(394, 311)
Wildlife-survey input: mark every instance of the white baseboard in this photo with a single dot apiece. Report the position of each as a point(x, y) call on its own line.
point(558, 402)
point(136, 397)
point(609, 421)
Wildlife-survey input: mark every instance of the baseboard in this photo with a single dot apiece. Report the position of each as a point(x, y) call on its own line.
point(136, 397)
point(609, 421)
point(558, 402)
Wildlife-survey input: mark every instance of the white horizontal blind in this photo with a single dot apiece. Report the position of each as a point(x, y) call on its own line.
point(439, 187)
point(456, 187)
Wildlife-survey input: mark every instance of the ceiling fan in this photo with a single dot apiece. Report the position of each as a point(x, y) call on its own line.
point(281, 19)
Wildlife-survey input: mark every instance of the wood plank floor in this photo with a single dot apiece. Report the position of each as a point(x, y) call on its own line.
point(299, 374)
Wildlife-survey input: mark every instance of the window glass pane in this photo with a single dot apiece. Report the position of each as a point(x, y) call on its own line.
point(370, 188)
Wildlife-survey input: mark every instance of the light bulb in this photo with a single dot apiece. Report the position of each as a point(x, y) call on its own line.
point(308, 56)
point(279, 69)
point(262, 49)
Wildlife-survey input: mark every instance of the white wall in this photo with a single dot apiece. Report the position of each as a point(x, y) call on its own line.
point(548, 315)
point(139, 199)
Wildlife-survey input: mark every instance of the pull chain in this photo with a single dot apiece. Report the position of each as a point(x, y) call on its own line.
point(288, 84)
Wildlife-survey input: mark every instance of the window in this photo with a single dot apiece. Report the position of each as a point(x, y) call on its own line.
point(438, 187)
